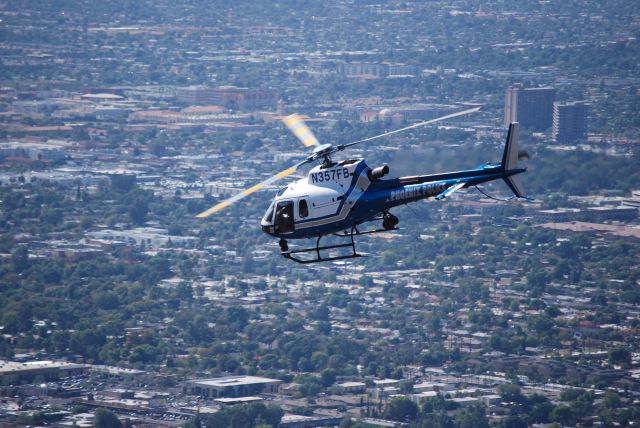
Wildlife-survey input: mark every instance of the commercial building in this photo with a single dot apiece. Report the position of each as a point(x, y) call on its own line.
point(363, 69)
point(612, 213)
point(612, 230)
point(300, 421)
point(373, 69)
point(102, 97)
point(634, 201)
point(569, 122)
point(14, 371)
point(420, 397)
point(230, 386)
point(400, 114)
point(51, 151)
point(598, 214)
point(230, 97)
point(558, 215)
point(351, 387)
point(148, 237)
point(531, 107)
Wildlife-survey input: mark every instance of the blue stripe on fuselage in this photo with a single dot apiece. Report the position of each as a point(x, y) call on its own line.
point(384, 195)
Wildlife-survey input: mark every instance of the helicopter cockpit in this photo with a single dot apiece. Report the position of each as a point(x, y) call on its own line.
point(281, 215)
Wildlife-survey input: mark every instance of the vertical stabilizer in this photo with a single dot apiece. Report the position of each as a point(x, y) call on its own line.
point(510, 159)
point(510, 155)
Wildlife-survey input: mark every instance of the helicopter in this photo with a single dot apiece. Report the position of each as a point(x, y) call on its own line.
point(337, 197)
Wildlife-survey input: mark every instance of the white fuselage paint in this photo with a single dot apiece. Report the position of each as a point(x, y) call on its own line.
point(329, 192)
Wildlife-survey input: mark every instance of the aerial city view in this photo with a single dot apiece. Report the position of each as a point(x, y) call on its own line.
point(348, 213)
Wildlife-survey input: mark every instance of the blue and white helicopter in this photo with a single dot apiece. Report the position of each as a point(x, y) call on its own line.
point(337, 197)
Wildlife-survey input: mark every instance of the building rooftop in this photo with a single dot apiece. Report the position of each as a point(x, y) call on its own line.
point(581, 226)
point(351, 384)
point(8, 367)
point(236, 400)
point(222, 382)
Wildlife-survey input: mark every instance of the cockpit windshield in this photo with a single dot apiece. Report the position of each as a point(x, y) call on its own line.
point(268, 217)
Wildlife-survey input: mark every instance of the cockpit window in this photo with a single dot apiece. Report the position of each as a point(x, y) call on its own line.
point(303, 208)
point(281, 191)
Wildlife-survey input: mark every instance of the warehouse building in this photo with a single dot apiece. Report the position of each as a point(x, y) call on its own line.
point(12, 371)
point(230, 386)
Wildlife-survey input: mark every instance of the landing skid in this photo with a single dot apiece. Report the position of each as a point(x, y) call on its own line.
point(316, 251)
point(366, 232)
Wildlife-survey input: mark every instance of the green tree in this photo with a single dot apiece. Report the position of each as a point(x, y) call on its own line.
point(537, 282)
point(143, 354)
point(620, 356)
point(401, 409)
point(244, 416)
point(321, 313)
point(513, 421)
point(20, 259)
point(122, 183)
point(138, 210)
point(157, 147)
point(540, 412)
point(611, 399)
point(435, 420)
point(563, 414)
point(510, 392)
point(105, 418)
point(473, 417)
point(327, 377)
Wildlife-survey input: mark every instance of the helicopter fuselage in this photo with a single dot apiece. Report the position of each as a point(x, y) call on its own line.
point(336, 197)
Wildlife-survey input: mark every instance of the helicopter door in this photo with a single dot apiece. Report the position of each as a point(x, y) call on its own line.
point(284, 217)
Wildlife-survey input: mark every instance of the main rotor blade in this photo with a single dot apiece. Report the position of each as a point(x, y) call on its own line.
point(300, 129)
point(415, 125)
point(214, 209)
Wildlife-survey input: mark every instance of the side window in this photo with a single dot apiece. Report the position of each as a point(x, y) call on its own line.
point(303, 208)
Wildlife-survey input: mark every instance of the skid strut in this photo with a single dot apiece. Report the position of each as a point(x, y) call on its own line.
point(390, 223)
point(316, 251)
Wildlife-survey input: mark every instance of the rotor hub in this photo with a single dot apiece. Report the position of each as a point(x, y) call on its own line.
point(322, 149)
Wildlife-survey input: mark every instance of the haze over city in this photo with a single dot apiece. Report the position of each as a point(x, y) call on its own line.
point(121, 121)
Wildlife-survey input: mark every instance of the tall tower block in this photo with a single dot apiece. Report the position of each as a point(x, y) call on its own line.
point(569, 122)
point(532, 107)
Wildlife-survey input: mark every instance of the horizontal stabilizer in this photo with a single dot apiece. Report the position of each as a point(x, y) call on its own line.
point(450, 190)
point(514, 184)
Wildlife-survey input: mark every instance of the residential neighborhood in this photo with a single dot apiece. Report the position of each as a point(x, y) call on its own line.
point(120, 122)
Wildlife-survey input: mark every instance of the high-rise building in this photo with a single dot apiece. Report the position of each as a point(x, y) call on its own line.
point(532, 107)
point(569, 122)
